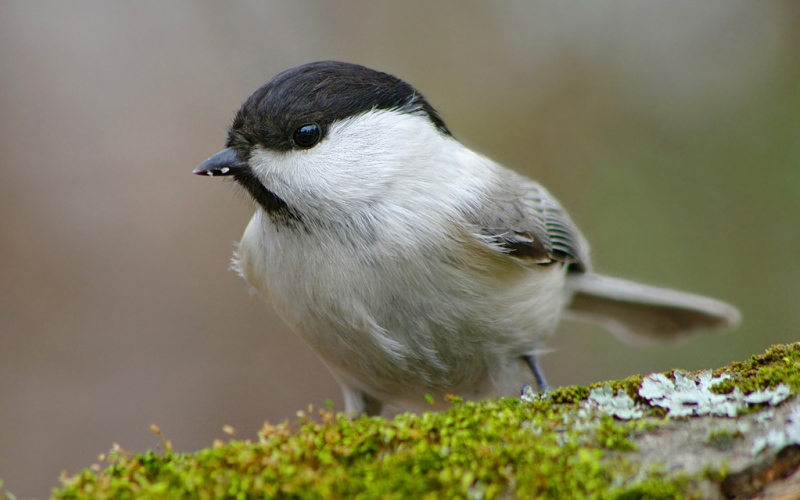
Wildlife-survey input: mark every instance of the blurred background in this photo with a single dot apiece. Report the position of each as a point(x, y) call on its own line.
point(670, 130)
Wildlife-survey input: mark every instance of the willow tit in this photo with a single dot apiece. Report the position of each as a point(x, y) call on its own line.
point(411, 264)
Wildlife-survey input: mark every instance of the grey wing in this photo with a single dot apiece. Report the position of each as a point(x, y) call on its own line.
point(525, 221)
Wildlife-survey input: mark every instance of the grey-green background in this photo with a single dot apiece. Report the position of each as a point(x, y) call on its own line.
point(669, 129)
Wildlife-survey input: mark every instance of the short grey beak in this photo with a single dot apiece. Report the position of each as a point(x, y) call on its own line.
point(226, 162)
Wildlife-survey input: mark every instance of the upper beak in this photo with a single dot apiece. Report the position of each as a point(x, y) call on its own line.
point(226, 162)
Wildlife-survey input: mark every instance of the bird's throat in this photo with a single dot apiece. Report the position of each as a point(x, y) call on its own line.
point(274, 205)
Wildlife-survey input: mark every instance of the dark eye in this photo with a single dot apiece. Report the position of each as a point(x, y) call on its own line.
point(307, 135)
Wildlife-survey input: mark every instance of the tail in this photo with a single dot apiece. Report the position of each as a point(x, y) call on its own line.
point(642, 314)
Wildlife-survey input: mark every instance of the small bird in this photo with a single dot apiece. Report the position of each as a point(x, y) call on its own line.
point(412, 265)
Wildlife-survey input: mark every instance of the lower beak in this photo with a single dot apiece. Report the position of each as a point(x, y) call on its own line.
point(226, 162)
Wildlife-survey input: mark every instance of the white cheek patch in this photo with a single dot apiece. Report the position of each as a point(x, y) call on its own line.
point(357, 163)
point(269, 165)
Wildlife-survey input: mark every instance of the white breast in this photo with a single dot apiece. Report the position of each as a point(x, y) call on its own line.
point(389, 286)
point(404, 320)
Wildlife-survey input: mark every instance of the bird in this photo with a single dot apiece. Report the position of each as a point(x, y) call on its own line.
point(412, 265)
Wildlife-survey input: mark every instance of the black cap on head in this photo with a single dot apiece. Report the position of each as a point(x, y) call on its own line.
point(321, 93)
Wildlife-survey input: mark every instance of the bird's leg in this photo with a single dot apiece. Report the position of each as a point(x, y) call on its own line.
point(357, 403)
point(372, 406)
point(537, 372)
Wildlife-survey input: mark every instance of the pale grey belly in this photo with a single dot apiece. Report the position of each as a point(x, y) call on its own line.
point(410, 324)
point(393, 337)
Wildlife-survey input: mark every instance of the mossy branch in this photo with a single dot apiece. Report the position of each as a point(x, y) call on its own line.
point(611, 440)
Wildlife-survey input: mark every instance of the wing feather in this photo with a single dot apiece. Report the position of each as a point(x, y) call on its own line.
point(522, 219)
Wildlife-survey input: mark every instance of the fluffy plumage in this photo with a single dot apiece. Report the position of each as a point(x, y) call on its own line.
point(411, 264)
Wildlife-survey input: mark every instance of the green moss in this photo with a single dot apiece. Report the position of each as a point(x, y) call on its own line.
point(553, 447)
point(615, 436)
point(724, 387)
point(723, 439)
point(630, 385)
point(476, 450)
point(718, 473)
point(569, 395)
point(779, 364)
point(576, 394)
